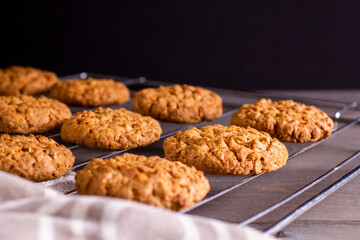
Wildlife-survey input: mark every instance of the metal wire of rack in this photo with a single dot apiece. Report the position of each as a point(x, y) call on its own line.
point(230, 106)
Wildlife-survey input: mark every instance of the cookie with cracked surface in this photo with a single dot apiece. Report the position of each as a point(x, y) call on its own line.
point(110, 129)
point(37, 158)
point(150, 180)
point(90, 92)
point(26, 114)
point(178, 103)
point(286, 120)
point(17, 80)
point(219, 149)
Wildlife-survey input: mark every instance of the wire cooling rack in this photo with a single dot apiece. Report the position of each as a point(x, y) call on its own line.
point(345, 115)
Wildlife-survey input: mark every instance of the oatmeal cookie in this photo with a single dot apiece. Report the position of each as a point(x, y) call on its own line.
point(16, 80)
point(219, 149)
point(286, 120)
point(91, 92)
point(26, 114)
point(151, 180)
point(178, 103)
point(37, 158)
point(110, 129)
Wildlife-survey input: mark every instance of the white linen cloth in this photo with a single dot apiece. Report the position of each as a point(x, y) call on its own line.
point(31, 211)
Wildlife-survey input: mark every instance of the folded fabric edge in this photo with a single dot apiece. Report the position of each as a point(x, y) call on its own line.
point(24, 204)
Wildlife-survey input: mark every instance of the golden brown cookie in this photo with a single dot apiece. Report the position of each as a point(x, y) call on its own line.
point(219, 149)
point(286, 120)
point(178, 103)
point(37, 158)
point(90, 92)
point(16, 80)
point(110, 129)
point(26, 114)
point(151, 180)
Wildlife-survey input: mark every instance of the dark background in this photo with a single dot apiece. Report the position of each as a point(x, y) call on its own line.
point(226, 44)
